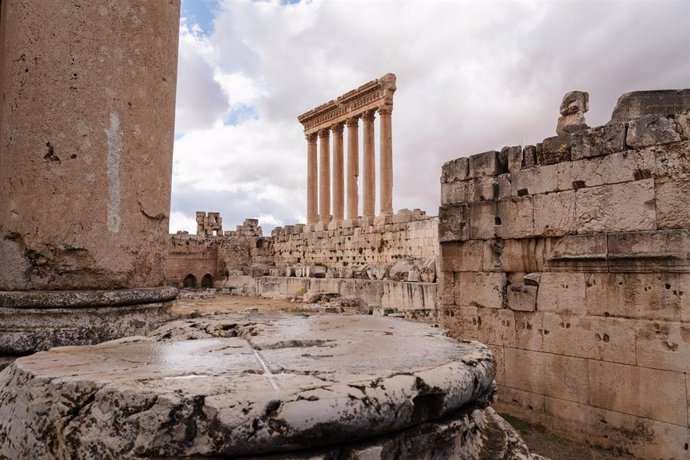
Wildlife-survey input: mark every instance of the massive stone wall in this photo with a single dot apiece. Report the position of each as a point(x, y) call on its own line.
point(571, 260)
point(408, 234)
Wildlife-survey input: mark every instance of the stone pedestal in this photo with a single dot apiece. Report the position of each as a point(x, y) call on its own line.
point(87, 123)
point(234, 386)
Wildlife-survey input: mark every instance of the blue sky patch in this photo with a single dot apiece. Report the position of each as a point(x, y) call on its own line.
point(200, 12)
point(239, 114)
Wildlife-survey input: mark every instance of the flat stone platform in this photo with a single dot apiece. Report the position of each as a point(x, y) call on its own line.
point(238, 385)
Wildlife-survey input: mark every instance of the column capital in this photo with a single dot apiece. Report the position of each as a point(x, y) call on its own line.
point(369, 115)
point(352, 122)
point(311, 137)
point(385, 110)
point(325, 132)
point(337, 128)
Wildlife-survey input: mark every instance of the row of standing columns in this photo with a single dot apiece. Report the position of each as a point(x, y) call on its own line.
point(319, 172)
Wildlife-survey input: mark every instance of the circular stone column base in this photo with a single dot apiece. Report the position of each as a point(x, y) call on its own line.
point(31, 321)
point(244, 386)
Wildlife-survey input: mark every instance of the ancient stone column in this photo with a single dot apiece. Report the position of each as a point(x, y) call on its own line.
point(369, 165)
point(312, 180)
point(386, 162)
point(87, 125)
point(338, 176)
point(352, 168)
point(324, 177)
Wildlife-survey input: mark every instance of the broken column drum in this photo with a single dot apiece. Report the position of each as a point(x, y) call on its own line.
point(363, 102)
point(86, 120)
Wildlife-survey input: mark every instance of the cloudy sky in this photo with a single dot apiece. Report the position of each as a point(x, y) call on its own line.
point(471, 75)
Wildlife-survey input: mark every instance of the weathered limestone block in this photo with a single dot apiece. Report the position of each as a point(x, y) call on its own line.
point(427, 273)
point(512, 157)
point(547, 374)
point(554, 150)
point(455, 170)
point(653, 296)
point(628, 166)
point(453, 223)
point(529, 156)
point(672, 203)
point(562, 293)
point(544, 179)
point(480, 289)
point(672, 160)
point(634, 436)
point(607, 339)
point(651, 130)
point(650, 251)
point(640, 391)
point(446, 283)
point(514, 218)
point(400, 270)
point(226, 392)
point(485, 164)
point(602, 140)
point(522, 255)
point(529, 328)
point(579, 253)
point(663, 345)
point(496, 326)
point(619, 207)
point(483, 218)
point(521, 297)
point(554, 214)
point(522, 404)
point(573, 108)
point(465, 256)
point(631, 106)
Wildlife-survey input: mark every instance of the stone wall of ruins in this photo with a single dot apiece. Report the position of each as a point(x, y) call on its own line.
point(571, 260)
point(409, 235)
point(230, 255)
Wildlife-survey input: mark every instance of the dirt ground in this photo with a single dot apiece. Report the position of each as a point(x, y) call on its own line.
point(537, 438)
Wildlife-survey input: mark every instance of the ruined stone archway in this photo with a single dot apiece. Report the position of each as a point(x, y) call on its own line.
point(207, 281)
point(189, 281)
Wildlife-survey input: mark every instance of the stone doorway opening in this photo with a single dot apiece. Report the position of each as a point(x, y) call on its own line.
point(189, 281)
point(207, 281)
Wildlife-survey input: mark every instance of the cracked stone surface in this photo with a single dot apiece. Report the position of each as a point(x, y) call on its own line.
point(238, 385)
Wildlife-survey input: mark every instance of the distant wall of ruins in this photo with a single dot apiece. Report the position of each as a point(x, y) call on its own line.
point(218, 257)
point(571, 259)
point(408, 235)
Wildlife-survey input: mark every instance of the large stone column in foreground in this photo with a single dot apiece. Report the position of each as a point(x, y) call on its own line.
point(86, 122)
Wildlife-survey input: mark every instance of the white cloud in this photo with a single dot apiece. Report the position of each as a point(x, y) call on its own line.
point(472, 76)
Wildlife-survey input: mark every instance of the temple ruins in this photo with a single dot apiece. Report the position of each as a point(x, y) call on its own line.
point(364, 102)
point(553, 286)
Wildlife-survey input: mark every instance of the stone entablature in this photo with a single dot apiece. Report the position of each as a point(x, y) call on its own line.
point(374, 95)
point(571, 260)
point(363, 102)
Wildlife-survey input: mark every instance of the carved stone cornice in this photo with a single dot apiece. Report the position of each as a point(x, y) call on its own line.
point(372, 96)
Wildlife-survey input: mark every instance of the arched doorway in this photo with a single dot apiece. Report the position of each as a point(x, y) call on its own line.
point(189, 281)
point(207, 281)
